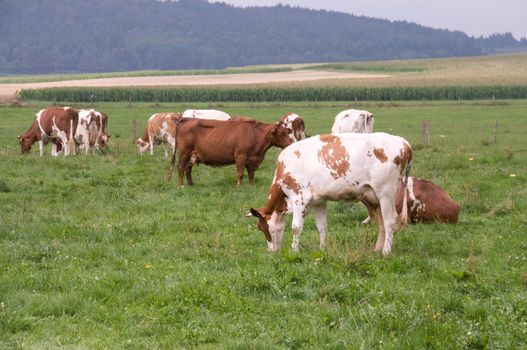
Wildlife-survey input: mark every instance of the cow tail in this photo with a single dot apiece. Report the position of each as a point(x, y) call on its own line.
point(73, 128)
point(170, 170)
point(403, 217)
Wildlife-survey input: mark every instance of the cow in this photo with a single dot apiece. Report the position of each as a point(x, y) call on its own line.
point(427, 202)
point(295, 123)
point(346, 167)
point(353, 120)
point(206, 114)
point(55, 124)
point(217, 143)
point(160, 128)
point(91, 130)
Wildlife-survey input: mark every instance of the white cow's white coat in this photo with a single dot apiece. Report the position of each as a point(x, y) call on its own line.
point(353, 120)
point(367, 177)
point(206, 114)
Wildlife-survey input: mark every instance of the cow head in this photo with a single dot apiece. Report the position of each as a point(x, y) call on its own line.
point(298, 128)
point(272, 226)
point(142, 146)
point(103, 140)
point(279, 135)
point(369, 120)
point(25, 143)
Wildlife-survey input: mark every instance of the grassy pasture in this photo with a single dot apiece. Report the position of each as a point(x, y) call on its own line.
point(99, 252)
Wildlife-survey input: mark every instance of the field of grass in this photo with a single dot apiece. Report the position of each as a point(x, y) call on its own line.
point(99, 252)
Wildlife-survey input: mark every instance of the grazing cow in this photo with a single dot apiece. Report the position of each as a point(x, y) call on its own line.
point(91, 130)
point(55, 124)
point(206, 114)
point(353, 120)
point(347, 167)
point(218, 143)
point(160, 128)
point(427, 202)
point(295, 123)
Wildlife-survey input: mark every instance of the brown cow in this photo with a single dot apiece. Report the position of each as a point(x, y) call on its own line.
point(55, 124)
point(216, 143)
point(160, 128)
point(295, 123)
point(427, 202)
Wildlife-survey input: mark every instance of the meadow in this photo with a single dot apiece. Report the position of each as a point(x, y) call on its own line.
point(100, 252)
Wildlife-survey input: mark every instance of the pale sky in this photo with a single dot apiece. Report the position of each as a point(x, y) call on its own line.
point(474, 17)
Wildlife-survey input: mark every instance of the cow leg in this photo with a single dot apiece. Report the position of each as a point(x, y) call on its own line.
point(41, 147)
point(371, 211)
point(250, 175)
point(389, 217)
point(188, 173)
point(382, 233)
point(151, 144)
point(321, 220)
point(297, 225)
point(240, 166)
point(166, 149)
point(184, 161)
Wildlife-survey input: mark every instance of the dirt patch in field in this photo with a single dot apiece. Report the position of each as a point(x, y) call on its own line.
point(8, 91)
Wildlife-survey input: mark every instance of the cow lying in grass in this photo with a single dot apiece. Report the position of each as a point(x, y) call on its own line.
point(426, 203)
point(345, 167)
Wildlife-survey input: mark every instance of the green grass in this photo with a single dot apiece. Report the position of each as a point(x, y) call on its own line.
point(99, 252)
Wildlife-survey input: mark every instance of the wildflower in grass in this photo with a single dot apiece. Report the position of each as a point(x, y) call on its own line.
point(512, 175)
point(471, 158)
point(442, 136)
point(148, 266)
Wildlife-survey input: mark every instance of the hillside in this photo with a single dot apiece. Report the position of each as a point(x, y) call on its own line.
point(48, 36)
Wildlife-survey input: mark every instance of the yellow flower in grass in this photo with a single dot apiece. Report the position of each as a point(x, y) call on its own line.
point(512, 175)
point(471, 158)
point(148, 266)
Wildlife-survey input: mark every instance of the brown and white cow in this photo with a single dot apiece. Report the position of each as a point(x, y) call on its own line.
point(211, 114)
point(353, 120)
point(427, 202)
point(55, 124)
point(296, 124)
point(91, 130)
point(217, 143)
point(160, 128)
point(346, 167)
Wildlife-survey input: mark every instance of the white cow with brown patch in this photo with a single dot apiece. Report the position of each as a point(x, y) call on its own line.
point(206, 114)
point(160, 128)
point(55, 124)
point(91, 130)
point(296, 125)
point(353, 120)
point(346, 167)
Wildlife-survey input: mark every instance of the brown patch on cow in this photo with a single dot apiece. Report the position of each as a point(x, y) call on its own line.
point(297, 153)
point(334, 156)
point(405, 155)
point(379, 153)
point(286, 178)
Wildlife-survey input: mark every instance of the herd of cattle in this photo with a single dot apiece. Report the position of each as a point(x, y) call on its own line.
point(350, 164)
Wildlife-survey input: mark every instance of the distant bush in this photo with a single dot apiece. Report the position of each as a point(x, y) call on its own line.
point(270, 94)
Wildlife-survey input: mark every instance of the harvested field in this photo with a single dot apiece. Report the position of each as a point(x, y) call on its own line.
point(8, 91)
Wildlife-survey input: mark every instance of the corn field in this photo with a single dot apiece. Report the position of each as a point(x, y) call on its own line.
point(271, 94)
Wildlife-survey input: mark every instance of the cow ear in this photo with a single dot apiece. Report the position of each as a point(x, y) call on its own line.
point(108, 136)
point(254, 212)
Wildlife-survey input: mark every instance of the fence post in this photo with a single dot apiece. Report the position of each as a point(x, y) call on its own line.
point(134, 130)
point(425, 133)
point(496, 126)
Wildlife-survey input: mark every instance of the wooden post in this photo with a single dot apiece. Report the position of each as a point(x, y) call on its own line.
point(425, 133)
point(134, 130)
point(496, 126)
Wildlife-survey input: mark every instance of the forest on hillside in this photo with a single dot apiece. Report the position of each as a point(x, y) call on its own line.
point(52, 36)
